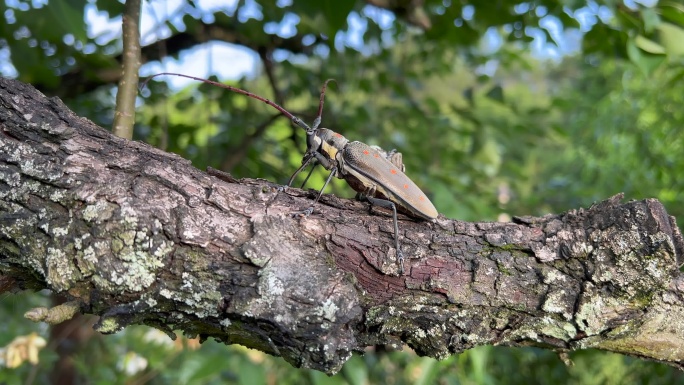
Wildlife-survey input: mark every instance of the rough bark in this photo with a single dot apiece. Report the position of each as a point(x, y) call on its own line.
point(139, 236)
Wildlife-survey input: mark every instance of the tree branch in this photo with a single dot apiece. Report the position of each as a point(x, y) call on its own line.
point(124, 116)
point(139, 236)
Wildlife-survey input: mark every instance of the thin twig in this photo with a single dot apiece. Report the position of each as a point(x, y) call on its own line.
point(124, 117)
point(161, 44)
point(265, 56)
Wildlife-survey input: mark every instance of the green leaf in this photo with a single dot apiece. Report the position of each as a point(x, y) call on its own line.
point(645, 62)
point(678, 76)
point(356, 371)
point(568, 21)
point(672, 12)
point(428, 369)
point(469, 94)
point(70, 14)
point(651, 19)
point(649, 45)
point(672, 38)
point(112, 7)
point(318, 378)
point(333, 12)
point(496, 93)
point(627, 19)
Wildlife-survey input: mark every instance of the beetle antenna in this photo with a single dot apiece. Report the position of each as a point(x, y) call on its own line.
point(278, 107)
point(321, 100)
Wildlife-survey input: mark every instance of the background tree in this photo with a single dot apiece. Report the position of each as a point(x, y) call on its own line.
point(508, 109)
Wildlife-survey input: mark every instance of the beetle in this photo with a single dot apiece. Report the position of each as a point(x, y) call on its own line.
point(377, 175)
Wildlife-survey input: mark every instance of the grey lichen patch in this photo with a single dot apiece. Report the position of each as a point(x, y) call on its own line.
point(128, 262)
point(328, 310)
point(468, 340)
point(427, 335)
point(258, 257)
point(286, 295)
point(61, 273)
point(555, 303)
point(99, 212)
point(108, 325)
point(509, 236)
point(21, 186)
point(388, 319)
point(556, 328)
point(553, 276)
point(13, 152)
point(86, 259)
point(130, 216)
point(226, 322)
point(139, 269)
point(656, 335)
point(60, 231)
point(545, 327)
point(633, 267)
point(12, 179)
point(594, 310)
point(527, 332)
point(198, 294)
point(271, 284)
point(571, 242)
point(561, 293)
point(581, 250)
point(545, 253)
point(48, 170)
point(59, 196)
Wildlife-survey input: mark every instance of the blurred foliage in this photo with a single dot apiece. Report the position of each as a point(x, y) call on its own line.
point(500, 109)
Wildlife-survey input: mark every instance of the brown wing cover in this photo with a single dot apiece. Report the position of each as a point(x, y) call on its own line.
point(368, 162)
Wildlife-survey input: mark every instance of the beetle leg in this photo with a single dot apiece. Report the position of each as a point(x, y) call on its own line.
point(305, 162)
point(324, 161)
point(333, 171)
point(390, 205)
point(309, 210)
point(309, 175)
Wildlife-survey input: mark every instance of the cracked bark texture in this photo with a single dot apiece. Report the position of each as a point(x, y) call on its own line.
point(139, 236)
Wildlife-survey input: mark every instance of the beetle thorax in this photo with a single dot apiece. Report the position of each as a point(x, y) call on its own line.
point(331, 142)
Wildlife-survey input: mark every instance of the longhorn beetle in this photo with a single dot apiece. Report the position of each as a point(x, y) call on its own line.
point(377, 176)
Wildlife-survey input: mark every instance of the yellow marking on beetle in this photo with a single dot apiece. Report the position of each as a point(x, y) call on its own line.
point(330, 150)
